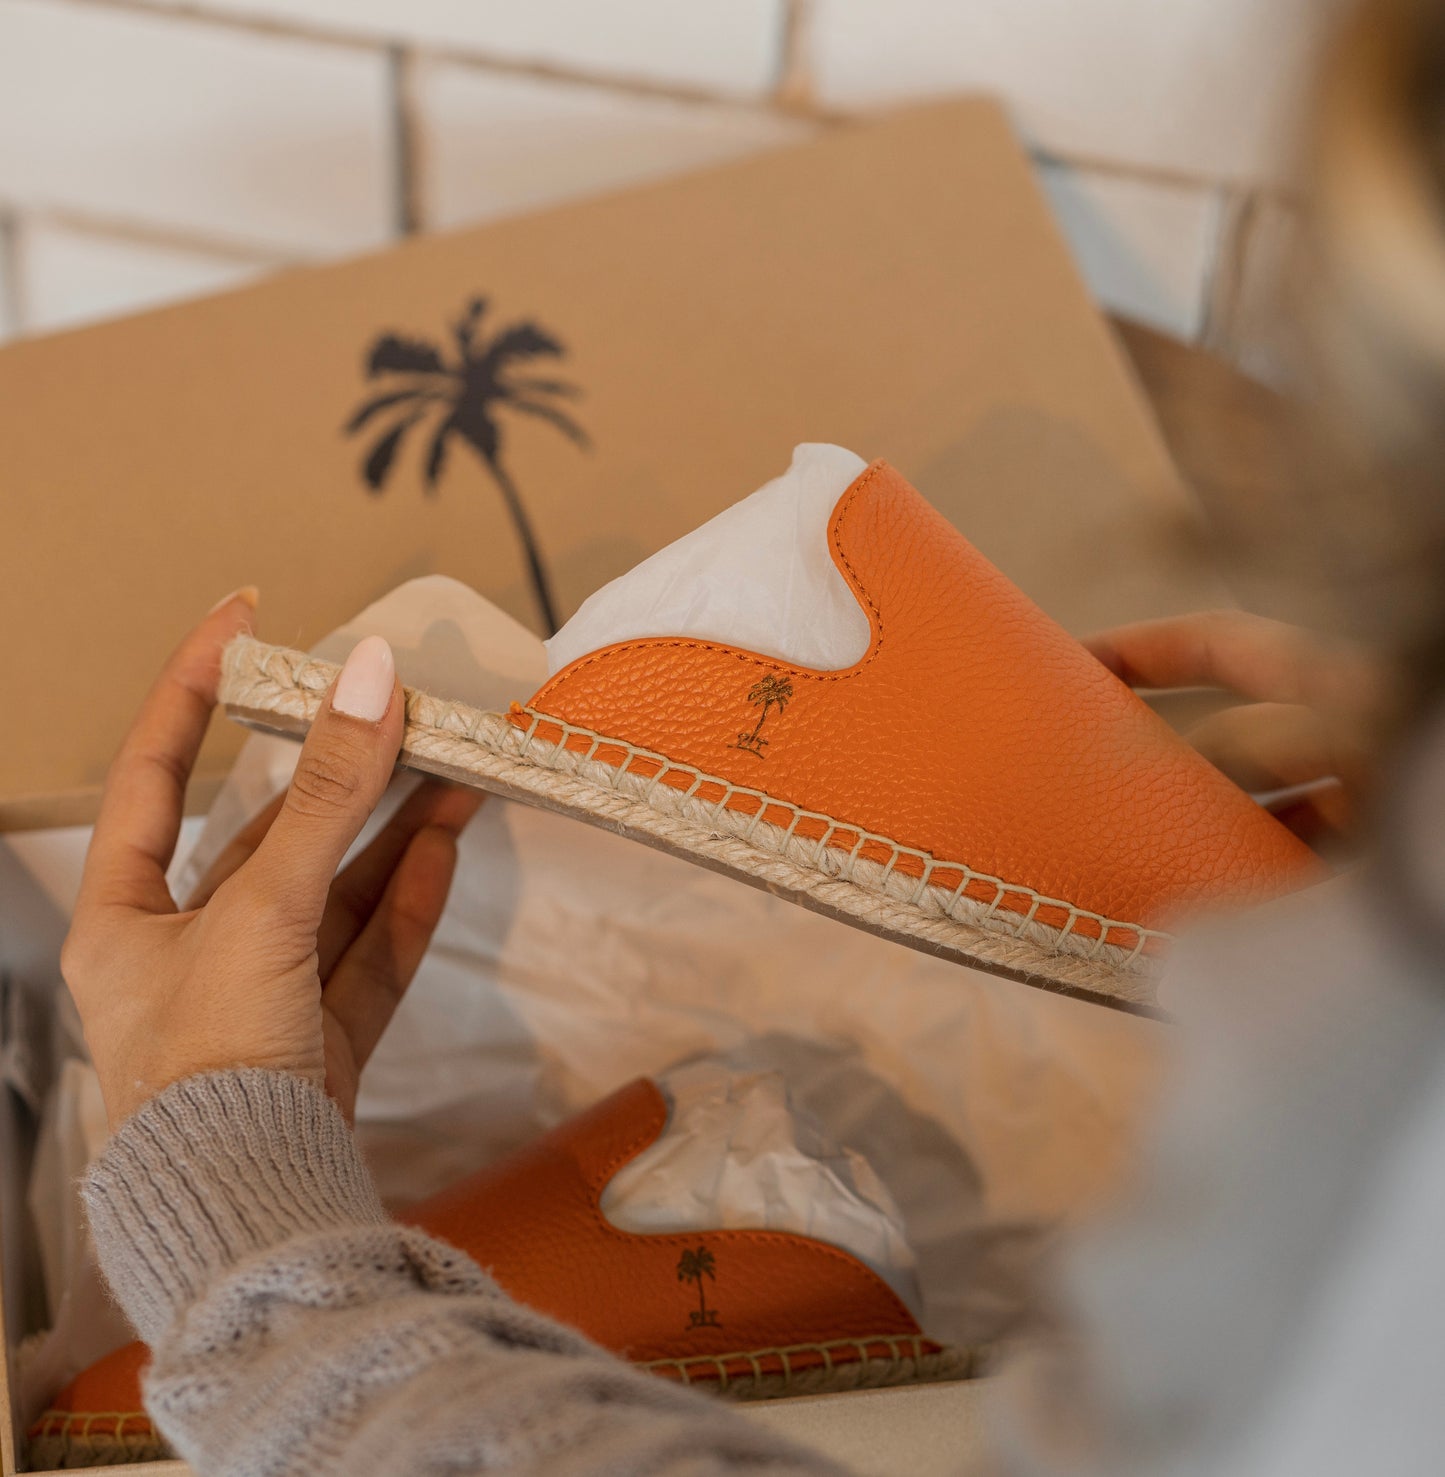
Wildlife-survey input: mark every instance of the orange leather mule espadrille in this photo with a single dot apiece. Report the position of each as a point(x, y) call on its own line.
point(750, 1314)
point(976, 785)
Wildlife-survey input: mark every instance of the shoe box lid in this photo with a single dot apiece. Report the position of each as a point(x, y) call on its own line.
point(895, 285)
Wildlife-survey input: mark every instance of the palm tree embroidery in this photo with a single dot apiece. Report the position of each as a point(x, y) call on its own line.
point(766, 694)
point(469, 388)
point(693, 1266)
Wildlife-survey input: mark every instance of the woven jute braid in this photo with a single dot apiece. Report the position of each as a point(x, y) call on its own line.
point(62, 1440)
point(847, 1364)
point(281, 688)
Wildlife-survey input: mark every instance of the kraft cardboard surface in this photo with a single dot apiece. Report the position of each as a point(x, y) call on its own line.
point(896, 286)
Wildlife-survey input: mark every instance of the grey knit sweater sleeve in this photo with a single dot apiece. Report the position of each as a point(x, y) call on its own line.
point(294, 1329)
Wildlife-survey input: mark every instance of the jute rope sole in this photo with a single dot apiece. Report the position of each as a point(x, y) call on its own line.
point(745, 1377)
point(280, 689)
point(64, 1439)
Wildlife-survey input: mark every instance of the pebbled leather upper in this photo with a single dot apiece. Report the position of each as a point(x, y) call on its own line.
point(534, 1220)
point(974, 728)
point(109, 1391)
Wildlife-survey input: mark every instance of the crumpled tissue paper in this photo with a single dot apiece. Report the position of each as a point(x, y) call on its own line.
point(760, 575)
point(739, 1154)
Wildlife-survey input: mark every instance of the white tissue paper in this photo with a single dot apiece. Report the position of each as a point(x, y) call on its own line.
point(760, 575)
point(570, 961)
point(446, 640)
point(738, 1154)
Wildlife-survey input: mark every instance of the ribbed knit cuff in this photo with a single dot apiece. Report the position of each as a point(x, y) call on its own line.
point(211, 1171)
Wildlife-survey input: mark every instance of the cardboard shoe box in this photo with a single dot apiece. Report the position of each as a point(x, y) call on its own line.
point(896, 286)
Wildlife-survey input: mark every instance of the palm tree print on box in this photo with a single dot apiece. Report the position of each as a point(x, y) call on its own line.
point(468, 388)
point(693, 1266)
point(768, 693)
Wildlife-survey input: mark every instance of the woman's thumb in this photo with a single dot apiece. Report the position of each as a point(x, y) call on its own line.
point(345, 764)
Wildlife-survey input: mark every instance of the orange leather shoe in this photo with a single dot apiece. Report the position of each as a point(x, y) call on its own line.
point(751, 1314)
point(98, 1419)
point(977, 785)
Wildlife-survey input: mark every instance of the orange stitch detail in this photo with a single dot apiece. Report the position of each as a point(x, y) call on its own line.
point(1016, 899)
point(777, 1360)
point(807, 674)
point(60, 1422)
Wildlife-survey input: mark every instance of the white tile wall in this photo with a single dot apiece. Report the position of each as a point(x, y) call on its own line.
point(725, 45)
point(259, 138)
point(495, 144)
point(251, 128)
point(70, 277)
point(1207, 87)
point(1144, 248)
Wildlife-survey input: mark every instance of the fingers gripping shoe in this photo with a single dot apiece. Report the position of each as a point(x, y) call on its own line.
point(977, 785)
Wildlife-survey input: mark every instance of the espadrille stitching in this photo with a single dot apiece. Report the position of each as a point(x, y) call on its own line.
point(59, 1437)
point(846, 1364)
point(907, 1359)
point(543, 749)
point(267, 679)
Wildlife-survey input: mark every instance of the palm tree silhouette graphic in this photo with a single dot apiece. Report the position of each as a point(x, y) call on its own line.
point(469, 388)
point(693, 1266)
point(767, 693)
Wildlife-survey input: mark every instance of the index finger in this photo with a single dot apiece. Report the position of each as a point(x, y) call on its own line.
point(140, 811)
point(1251, 655)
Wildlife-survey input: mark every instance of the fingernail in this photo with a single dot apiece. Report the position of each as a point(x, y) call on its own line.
point(247, 593)
point(364, 688)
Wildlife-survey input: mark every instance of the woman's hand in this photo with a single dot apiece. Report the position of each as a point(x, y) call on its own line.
point(276, 961)
point(1314, 705)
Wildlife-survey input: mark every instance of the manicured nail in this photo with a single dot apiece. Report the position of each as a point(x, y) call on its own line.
point(247, 593)
point(364, 688)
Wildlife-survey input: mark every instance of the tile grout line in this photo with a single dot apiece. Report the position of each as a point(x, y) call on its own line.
point(12, 316)
point(792, 94)
point(410, 177)
point(1143, 174)
point(406, 141)
point(1221, 208)
point(793, 90)
point(166, 238)
point(1238, 212)
point(372, 43)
